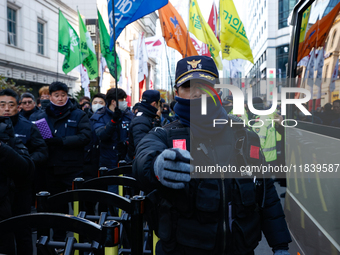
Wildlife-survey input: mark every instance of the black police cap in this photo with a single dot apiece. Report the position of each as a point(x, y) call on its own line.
point(196, 67)
point(150, 96)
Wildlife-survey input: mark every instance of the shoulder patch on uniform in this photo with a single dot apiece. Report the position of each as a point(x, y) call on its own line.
point(139, 114)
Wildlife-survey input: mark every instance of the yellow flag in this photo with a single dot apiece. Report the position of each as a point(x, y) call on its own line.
point(203, 32)
point(234, 41)
point(304, 24)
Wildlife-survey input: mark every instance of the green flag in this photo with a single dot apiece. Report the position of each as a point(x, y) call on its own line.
point(68, 44)
point(105, 48)
point(87, 50)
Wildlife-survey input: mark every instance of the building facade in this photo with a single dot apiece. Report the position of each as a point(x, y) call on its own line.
point(29, 43)
point(269, 38)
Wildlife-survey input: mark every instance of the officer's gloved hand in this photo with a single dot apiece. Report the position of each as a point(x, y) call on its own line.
point(117, 115)
point(54, 141)
point(281, 252)
point(172, 168)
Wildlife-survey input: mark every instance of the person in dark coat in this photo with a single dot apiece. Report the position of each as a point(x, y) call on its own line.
point(92, 150)
point(29, 134)
point(71, 132)
point(111, 125)
point(144, 120)
point(17, 166)
point(195, 212)
point(28, 105)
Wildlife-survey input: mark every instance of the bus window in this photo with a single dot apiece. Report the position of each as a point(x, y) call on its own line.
point(318, 63)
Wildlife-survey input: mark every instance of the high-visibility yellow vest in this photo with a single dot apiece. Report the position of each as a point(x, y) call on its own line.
point(267, 135)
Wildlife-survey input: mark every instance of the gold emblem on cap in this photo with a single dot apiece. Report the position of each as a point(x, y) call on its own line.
point(185, 78)
point(194, 63)
point(206, 76)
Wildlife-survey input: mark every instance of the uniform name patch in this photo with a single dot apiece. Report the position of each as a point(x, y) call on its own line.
point(180, 143)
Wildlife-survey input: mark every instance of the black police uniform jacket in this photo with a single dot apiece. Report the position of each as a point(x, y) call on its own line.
point(210, 216)
point(143, 122)
point(74, 128)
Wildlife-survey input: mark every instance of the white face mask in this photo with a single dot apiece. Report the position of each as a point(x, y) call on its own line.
point(122, 106)
point(96, 107)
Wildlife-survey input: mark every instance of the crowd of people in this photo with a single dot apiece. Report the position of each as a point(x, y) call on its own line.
point(47, 142)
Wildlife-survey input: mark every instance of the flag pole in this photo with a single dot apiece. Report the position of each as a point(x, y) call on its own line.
point(115, 63)
point(80, 56)
point(186, 50)
point(58, 46)
point(114, 49)
point(167, 58)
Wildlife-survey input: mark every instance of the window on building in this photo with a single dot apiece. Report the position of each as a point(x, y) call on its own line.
point(326, 71)
point(282, 59)
point(11, 26)
point(333, 38)
point(285, 7)
point(265, 56)
point(40, 38)
point(265, 23)
point(262, 30)
point(262, 10)
point(264, 3)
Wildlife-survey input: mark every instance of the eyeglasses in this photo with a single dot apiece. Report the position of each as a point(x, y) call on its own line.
point(27, 102)
point(10, 104)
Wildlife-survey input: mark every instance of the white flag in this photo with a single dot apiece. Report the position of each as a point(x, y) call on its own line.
point(318, 66)
point(155, 46)
point(304, 61)
point(309, 73)
point(103, 66)
point(129, 83)
point(85, 81)
point(142, 59)
point(334, 76)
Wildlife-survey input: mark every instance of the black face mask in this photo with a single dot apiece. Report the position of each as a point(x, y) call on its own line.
point(44, 103)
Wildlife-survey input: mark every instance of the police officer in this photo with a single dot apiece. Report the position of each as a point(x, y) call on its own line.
point(266, 132)
point(16, 165)
point(144, 120)
point(205, 216)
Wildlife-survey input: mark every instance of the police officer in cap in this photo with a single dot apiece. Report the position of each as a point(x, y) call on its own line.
point(219, 215)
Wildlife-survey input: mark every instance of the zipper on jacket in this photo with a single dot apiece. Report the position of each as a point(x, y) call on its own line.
point(223, 202)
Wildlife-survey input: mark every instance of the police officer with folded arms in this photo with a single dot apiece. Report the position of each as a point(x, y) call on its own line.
point(206, 215)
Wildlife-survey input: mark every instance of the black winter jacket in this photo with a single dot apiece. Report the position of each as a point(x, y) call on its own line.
point(143, 122)
point(15, 162)
point(210, 216)
point(28, 114)
point(74, 128)
point(32, 139)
